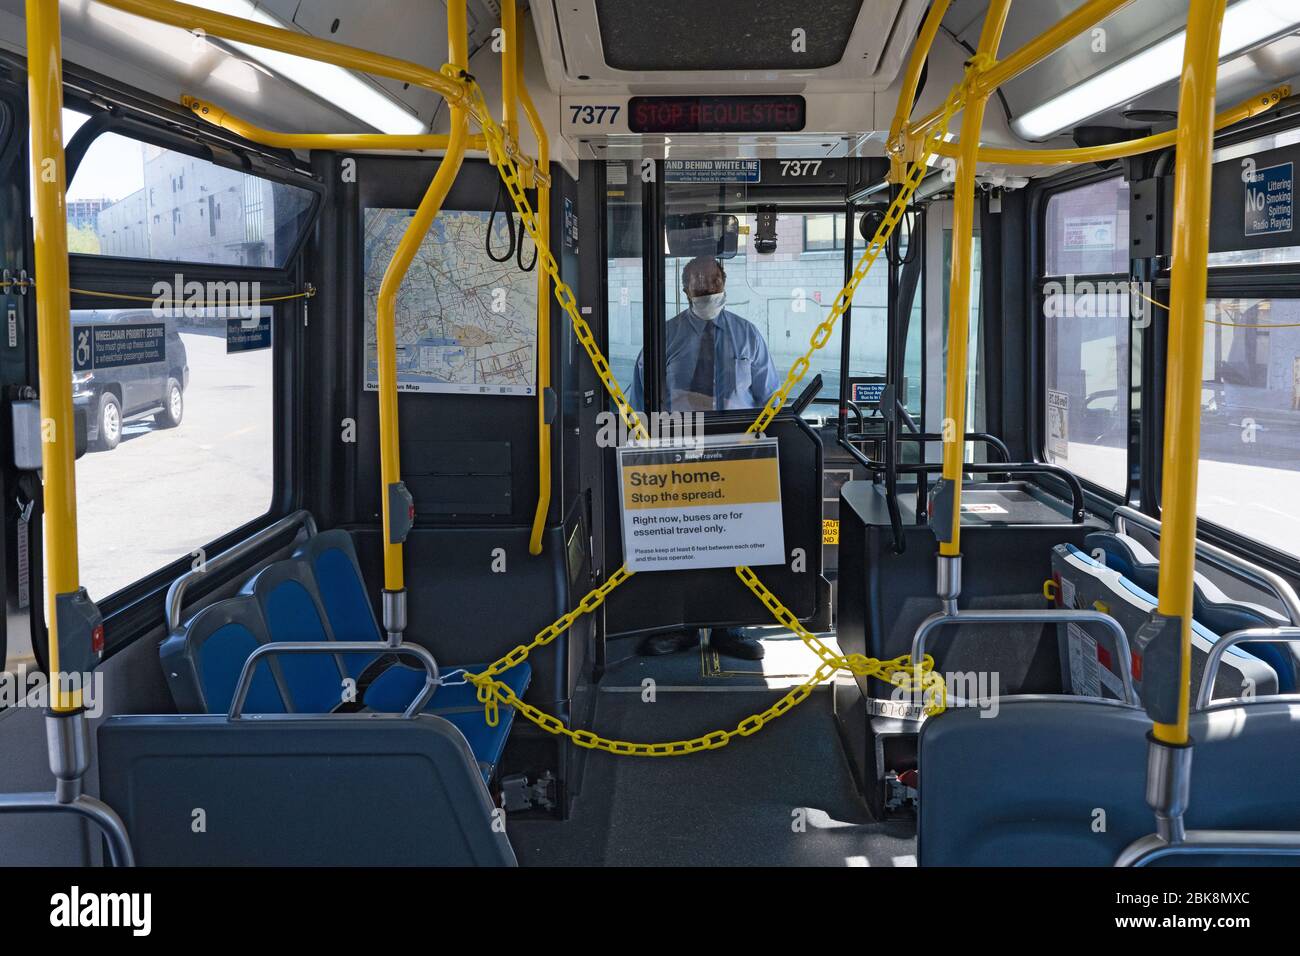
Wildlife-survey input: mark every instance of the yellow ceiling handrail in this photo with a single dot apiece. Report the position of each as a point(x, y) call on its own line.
point(217, 116)
point(1032, 53)
point(290, 41)
point(1246, 109)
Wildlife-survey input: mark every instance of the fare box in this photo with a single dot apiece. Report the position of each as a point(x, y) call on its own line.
point(715, 503)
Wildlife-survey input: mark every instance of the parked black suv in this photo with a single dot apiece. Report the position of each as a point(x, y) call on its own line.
point(112, 386)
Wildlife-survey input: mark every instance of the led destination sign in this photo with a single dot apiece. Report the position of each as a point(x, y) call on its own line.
point(717, 114)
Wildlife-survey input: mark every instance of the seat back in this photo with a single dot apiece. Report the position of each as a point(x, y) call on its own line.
point(202, 661)
point(1033, 785)
point(1058, 781)
point(332, 560)
point(286, 594)
point(324, 791)
point(1089, 664)
point(1211, 606)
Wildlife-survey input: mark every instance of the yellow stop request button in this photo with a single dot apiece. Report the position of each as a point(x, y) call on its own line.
point(713, 503)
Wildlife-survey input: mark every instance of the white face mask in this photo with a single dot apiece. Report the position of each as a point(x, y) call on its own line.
point(707, 307)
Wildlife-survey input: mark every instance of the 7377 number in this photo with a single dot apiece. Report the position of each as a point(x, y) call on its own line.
point(594, 115)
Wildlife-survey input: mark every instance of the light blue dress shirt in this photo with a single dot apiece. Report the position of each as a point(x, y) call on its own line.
point(743, 373)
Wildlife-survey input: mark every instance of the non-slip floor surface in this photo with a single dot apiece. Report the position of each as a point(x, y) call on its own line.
point(783, 796)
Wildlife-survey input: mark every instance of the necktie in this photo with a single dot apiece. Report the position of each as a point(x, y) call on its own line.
point(702, 379)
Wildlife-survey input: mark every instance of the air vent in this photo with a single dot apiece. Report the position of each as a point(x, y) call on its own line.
point(724, 34)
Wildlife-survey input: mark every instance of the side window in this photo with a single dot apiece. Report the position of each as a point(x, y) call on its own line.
point(178, 388)
point(626, 304)
point(1250, 419)
point(134, 200)
point(1086, 306)
point(181, 414)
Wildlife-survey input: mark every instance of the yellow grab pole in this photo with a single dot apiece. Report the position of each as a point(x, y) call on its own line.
point(911, 80)
point(511, 70)
point(1191, 242)
point(393, 492)
point(543, 304)
point(1035, 51)
point(54, 329)
point(963, 226)
point(211, 113)
point(1132, 147)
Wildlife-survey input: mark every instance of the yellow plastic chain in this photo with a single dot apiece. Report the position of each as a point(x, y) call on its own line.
point(822, 334)
point(899, 671)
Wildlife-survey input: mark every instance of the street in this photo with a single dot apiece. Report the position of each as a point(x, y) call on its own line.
point(163, 493)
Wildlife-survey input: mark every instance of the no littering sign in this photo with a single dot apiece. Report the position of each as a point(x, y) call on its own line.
point(713, 504)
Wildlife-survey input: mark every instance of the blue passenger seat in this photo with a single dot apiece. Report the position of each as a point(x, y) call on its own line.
point(1211, 606)
point(318, 595)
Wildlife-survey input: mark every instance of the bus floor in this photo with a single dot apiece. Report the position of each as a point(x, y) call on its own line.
point(782, 797)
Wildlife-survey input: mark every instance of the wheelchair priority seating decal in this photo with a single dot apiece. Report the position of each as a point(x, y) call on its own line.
point(711, 504)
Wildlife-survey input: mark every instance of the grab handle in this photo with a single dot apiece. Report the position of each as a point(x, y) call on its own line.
point(337, 647)
point(1033, 616)
point(1265, 635)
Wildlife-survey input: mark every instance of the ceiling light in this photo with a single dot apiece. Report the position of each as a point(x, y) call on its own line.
point(338, 86)
point(1245, 24)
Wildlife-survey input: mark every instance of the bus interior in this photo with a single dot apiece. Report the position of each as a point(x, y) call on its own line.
point(603, 433)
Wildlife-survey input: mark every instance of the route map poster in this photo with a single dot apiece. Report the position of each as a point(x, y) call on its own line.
point(465, 324)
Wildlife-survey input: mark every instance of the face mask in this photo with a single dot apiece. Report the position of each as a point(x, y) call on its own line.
point(707, 307)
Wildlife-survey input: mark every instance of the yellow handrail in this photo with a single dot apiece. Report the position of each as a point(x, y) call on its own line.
point(916, 62)
point(1033, 52)
point(543, 303)
point(1254, 106)
point(217, 116)
point(511, 70)
point(290, 41)
point(1191, 244)
point(963, 231)
point(54, 326)
point(386, 317)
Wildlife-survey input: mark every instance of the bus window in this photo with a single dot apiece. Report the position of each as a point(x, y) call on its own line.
point(626, 302)
point(784, 295)
point(181, 449)
point(1086, 309)
point(134, 200)
point(1250, 420)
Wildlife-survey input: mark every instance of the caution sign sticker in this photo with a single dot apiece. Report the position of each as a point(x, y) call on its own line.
point(713, 504)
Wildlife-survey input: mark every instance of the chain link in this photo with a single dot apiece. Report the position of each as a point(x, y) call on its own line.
point(899, 671)
point(821, 335)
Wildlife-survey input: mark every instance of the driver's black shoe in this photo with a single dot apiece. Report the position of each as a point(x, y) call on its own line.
point(656, 645)
point(735, 643)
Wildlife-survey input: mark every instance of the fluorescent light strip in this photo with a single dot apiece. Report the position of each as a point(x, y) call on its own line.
point(338, 86)
point(1245, 24)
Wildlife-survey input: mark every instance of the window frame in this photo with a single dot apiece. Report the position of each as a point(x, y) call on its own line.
point(138, 608)
point(1275, 280)
point(1269, 281)
point(656, 311)
point(1096, 495)
point(102, 122)
point(837, 244)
